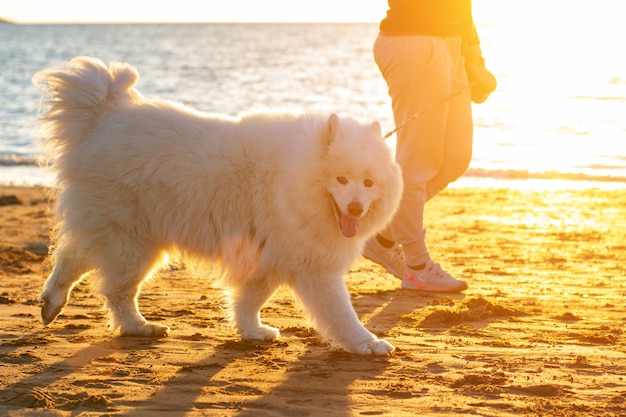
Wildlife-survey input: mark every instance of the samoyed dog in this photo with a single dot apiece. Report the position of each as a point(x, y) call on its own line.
point(275, 198)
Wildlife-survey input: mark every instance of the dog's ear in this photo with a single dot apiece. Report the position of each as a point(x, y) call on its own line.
point(377, 129)
point(332, 127)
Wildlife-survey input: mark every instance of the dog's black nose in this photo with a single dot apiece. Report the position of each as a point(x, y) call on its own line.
point(355, 209)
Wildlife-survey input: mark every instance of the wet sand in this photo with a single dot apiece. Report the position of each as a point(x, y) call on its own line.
point(539, 331)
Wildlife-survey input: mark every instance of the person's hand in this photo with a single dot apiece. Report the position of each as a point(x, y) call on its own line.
point(482, 82)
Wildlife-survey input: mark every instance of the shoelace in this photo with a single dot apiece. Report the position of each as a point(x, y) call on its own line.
point(396, 254)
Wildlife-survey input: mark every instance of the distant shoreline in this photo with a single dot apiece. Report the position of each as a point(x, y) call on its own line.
point(26, 171)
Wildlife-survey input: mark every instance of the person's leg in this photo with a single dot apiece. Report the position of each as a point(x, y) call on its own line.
point(457, 146)
point(458, 137)
point(417, 72)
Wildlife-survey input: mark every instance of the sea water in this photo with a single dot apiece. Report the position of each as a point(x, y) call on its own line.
point(551, 118)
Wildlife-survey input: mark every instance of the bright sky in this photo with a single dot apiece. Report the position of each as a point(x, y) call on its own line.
point(38, 11)
point(90, 11)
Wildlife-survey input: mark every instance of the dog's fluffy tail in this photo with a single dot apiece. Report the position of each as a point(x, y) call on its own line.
point(73, 97)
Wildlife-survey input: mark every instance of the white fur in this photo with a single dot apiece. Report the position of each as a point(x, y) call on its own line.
point(139, 178)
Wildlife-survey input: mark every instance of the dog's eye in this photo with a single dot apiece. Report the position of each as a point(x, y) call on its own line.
point(368, 183)
point(342, 180)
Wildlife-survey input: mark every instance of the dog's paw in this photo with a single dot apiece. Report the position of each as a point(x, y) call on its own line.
point(373, 347)
point(147, 329)
point(53, 304)
point(49, 311)
point(262, 332)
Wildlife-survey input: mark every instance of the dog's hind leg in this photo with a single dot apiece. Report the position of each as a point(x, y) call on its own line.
point(68, 270)
point(246, 303)
point(328, 302)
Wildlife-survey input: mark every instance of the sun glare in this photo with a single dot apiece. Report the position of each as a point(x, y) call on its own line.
point(557, 64)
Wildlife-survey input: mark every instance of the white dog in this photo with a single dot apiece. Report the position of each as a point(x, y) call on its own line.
point(278, 199)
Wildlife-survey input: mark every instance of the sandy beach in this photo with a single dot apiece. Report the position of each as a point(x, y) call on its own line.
point(539, 331)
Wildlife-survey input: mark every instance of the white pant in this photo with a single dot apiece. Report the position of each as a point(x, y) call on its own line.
point(436, 148)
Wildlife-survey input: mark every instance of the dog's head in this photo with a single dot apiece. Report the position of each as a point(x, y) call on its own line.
point(362, 179)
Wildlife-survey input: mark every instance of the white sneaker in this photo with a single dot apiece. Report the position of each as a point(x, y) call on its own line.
point(392, 259)
point(432, 278)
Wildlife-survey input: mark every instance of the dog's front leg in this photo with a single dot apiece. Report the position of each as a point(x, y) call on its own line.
point(328, 303)
point(246, 302)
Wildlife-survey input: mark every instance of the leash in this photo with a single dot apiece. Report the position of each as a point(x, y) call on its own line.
point(426, 110)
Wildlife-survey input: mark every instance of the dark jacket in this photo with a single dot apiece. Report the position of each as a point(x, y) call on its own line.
point(429, 17)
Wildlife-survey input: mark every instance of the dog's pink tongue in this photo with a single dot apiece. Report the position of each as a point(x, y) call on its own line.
point(349, 225)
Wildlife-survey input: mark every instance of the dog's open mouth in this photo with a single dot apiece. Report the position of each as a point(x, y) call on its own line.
point(347, 223)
